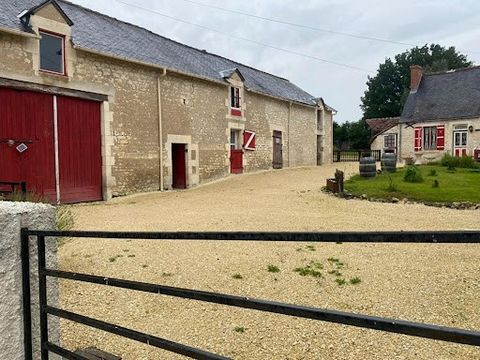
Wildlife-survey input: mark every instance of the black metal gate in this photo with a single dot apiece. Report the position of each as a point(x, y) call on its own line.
point(455, 335)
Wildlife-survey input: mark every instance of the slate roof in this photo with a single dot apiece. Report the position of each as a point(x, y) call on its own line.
point(380, 125)
point(453, 94)
point(101, 33)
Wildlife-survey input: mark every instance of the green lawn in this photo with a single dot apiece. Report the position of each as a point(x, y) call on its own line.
point(458, 186)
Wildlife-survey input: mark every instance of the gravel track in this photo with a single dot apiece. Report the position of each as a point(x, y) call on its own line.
point(437, 284)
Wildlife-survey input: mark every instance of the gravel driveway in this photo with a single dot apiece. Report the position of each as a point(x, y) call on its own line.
point(437, 284)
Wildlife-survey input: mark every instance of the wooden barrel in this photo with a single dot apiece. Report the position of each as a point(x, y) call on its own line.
point(368, 167)
point(389, 162)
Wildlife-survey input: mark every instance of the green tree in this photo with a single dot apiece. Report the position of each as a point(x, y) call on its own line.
point(388, 89)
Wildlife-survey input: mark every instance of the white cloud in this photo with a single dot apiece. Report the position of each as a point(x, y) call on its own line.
point(447, 22)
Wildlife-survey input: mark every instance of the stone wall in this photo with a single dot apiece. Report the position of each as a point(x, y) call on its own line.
point(193, 110)
point(425, 156)
point(14, 216)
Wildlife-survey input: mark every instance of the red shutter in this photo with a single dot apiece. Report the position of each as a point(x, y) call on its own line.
point(441, 137)
point(249, 140)
point(418, 139)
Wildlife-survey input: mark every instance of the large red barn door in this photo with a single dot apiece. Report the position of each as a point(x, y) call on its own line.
point(26, 118)
point(79, 150)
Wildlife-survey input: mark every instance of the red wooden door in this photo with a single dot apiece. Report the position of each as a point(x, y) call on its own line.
point(236, 161)
point(27, 117)
point(79, 150)
point(179, 166)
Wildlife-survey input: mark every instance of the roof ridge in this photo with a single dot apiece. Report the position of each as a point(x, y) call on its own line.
point(451, 71)
point(174, 41)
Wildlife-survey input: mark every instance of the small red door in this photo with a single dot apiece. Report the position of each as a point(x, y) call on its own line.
point(179, 166)
point(79, 150)
point(236, 161)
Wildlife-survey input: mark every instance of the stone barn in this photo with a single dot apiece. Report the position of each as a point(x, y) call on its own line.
point(92, 107)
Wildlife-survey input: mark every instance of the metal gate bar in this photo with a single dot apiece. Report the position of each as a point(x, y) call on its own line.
point(456, 335)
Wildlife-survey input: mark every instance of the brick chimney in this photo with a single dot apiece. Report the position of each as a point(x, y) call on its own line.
point(416, 73)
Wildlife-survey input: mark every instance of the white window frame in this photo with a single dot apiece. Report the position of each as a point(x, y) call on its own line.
point(385, 141)
point(429, 138)
point(232, 97)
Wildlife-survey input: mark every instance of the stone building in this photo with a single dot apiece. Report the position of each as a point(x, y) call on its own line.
point(93, 107)
point(441, 116)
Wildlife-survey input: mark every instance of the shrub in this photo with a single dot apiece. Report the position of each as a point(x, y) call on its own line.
point(435, 184)
point(413, 175)
point(452, 162)
point(432, 172)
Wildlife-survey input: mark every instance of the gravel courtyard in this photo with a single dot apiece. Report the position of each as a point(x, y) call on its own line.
point(437, 284)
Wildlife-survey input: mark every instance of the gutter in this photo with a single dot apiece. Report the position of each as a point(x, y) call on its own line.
point(19, 33)
point(288, 130)
point(160, 129)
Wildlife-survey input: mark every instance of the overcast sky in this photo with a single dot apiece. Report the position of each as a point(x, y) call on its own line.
point(448, 22)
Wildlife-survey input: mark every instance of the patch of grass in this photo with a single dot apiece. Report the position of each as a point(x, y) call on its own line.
point(237, 276)
point(239, 329)
point(335, 272)
point(312, 269)
point(273, 269)
point(355, 280)
point(340, 281)
point(432, 172)
point(458, 186)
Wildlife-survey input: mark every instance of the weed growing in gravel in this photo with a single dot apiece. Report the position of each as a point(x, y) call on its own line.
point(126, 250)
point(131, 255)
point(355, 280)
point(335, 272)
point(239, 329)
point(340, 282)
point(311, 269)
point(144, 266)
point(114, 258)
point(87, 256)
point(310, 247)
point(237, 276)
point(273, 269)
point(167, 274)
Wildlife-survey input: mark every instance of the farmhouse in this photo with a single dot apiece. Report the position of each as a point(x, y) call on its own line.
point(92, 107)
point(441, 115)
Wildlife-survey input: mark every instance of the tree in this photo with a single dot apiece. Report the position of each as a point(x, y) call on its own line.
point(388, 89)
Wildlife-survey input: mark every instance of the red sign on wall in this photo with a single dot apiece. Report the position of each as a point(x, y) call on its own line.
point(249, 140)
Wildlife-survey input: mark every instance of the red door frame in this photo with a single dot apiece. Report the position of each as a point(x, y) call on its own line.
point(179, 166)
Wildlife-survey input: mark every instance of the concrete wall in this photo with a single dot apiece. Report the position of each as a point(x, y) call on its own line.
point(193, 111)
point(425, 156)
point(14, 216)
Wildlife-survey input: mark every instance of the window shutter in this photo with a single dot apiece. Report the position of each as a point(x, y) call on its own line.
point(441, 137)
point(418, 139)
point(249, 140)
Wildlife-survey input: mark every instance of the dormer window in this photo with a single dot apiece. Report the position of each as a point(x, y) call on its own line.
point(235, 97)
point(52, 53)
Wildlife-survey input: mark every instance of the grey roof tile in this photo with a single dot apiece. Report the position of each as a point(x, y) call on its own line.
point(442, 96)
point(101, 33)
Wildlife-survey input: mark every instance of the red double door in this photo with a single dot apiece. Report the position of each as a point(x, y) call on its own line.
point(27, 145)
